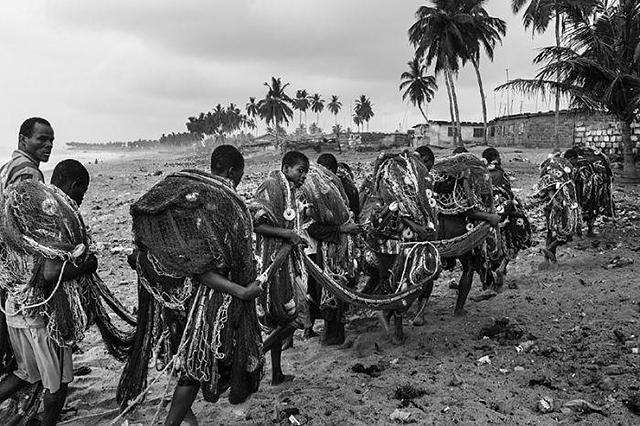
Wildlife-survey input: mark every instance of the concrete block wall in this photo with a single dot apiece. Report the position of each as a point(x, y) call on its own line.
point(605, 135)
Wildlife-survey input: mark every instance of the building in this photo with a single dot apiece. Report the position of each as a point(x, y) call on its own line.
point(537, 130)
point(440, 133)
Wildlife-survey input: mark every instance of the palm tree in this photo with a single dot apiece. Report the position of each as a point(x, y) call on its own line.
point(334, 106)
point(301, 103)
point(274, 108)
point(252, 107)
point(483, 32)
point(599, 69)
point(538, 15)
point(337, 130)
point(418, 86)
point(357, 120)
point(317, 105)
point(364, 109)
point(438, 38)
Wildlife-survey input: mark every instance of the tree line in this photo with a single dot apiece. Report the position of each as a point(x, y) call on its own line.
point(276, 109)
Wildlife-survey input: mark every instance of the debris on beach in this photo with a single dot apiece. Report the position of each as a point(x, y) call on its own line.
point(374, 370)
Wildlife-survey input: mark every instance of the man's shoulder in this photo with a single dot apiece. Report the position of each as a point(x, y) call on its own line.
point(19, 168)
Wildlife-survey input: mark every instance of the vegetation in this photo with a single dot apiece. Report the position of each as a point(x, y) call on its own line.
point(274, 109)
point(363, 109)
point(334, 106)
point(418, 87)
point(317, 106)
point(451, 33)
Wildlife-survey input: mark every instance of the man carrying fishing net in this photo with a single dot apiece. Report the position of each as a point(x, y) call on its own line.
point(277, 209)
point(197, 284)
point(556, 189)
point(399, 217)
point(44, 307)
point(330, 226)
point(593, 178)
point(515, 228)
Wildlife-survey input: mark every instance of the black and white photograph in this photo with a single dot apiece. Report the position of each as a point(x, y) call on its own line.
point(319, 212)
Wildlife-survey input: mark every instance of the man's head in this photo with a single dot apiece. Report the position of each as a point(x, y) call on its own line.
point(328, 161)
point(36, 138)
point(460, 150)
point(228, 162)
point(72, 178)
point(491, 155)
point(295, 166)
point(426, 155)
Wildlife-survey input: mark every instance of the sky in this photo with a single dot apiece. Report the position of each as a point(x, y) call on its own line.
point(121, 70)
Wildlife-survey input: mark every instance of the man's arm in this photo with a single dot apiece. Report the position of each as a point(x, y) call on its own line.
point(492, 218)
point(217, 282)
point(285, 234)
point(52, 267)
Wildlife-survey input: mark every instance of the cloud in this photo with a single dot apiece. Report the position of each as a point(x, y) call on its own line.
point(122, 69)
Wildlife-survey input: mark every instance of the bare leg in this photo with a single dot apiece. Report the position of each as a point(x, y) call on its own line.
point(465, 286)
point(181, 402)
point(418, 320)
point(10, 385)
point(398, 337)
point(53, 405)
point(277, 376)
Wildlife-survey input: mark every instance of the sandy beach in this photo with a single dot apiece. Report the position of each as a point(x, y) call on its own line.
point(574, 353)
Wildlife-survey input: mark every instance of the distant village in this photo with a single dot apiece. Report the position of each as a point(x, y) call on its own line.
point(527, 130)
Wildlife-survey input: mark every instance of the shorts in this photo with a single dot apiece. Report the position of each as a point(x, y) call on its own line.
point(38, 358)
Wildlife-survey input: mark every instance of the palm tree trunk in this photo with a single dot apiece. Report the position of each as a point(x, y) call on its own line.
point(453, 118)
point(629, 172)
point(426, 119)
point(556, 136)
point(476, 66)
point(456, 110)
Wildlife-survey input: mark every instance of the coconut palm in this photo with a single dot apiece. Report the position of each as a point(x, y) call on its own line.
point(252, 108)
point(301, 103)
point(364, 109)
point(334, 106)
point(357, 120)
point(482, 33)
point(418, 87)
point(317, 105)
point(274, 108)
point(599, 69)
point(438, 38)
point(538, 15)
point(337, 130)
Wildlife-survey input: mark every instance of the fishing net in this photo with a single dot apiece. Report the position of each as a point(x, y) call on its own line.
point(593, 177)
point(41, 220)
point(401, 188)
point(462, 183)
point(188, 224)
point(283, 300)
point(327, 198)
point(556, 187)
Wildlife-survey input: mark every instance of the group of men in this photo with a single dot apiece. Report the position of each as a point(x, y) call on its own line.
point(240, 302)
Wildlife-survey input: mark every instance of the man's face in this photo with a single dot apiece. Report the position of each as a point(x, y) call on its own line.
point(296, 174)
point(40, 144)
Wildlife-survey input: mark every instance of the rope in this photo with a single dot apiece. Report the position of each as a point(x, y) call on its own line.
point(171, 363)
point(37, 305)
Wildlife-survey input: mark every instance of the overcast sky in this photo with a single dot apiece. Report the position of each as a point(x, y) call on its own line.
point(125, 69)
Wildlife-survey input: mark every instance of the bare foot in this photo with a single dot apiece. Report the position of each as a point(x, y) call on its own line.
point(190, 418)
point(309, 333)
point(281, 378)
point(549, 255)
point(418, 321)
